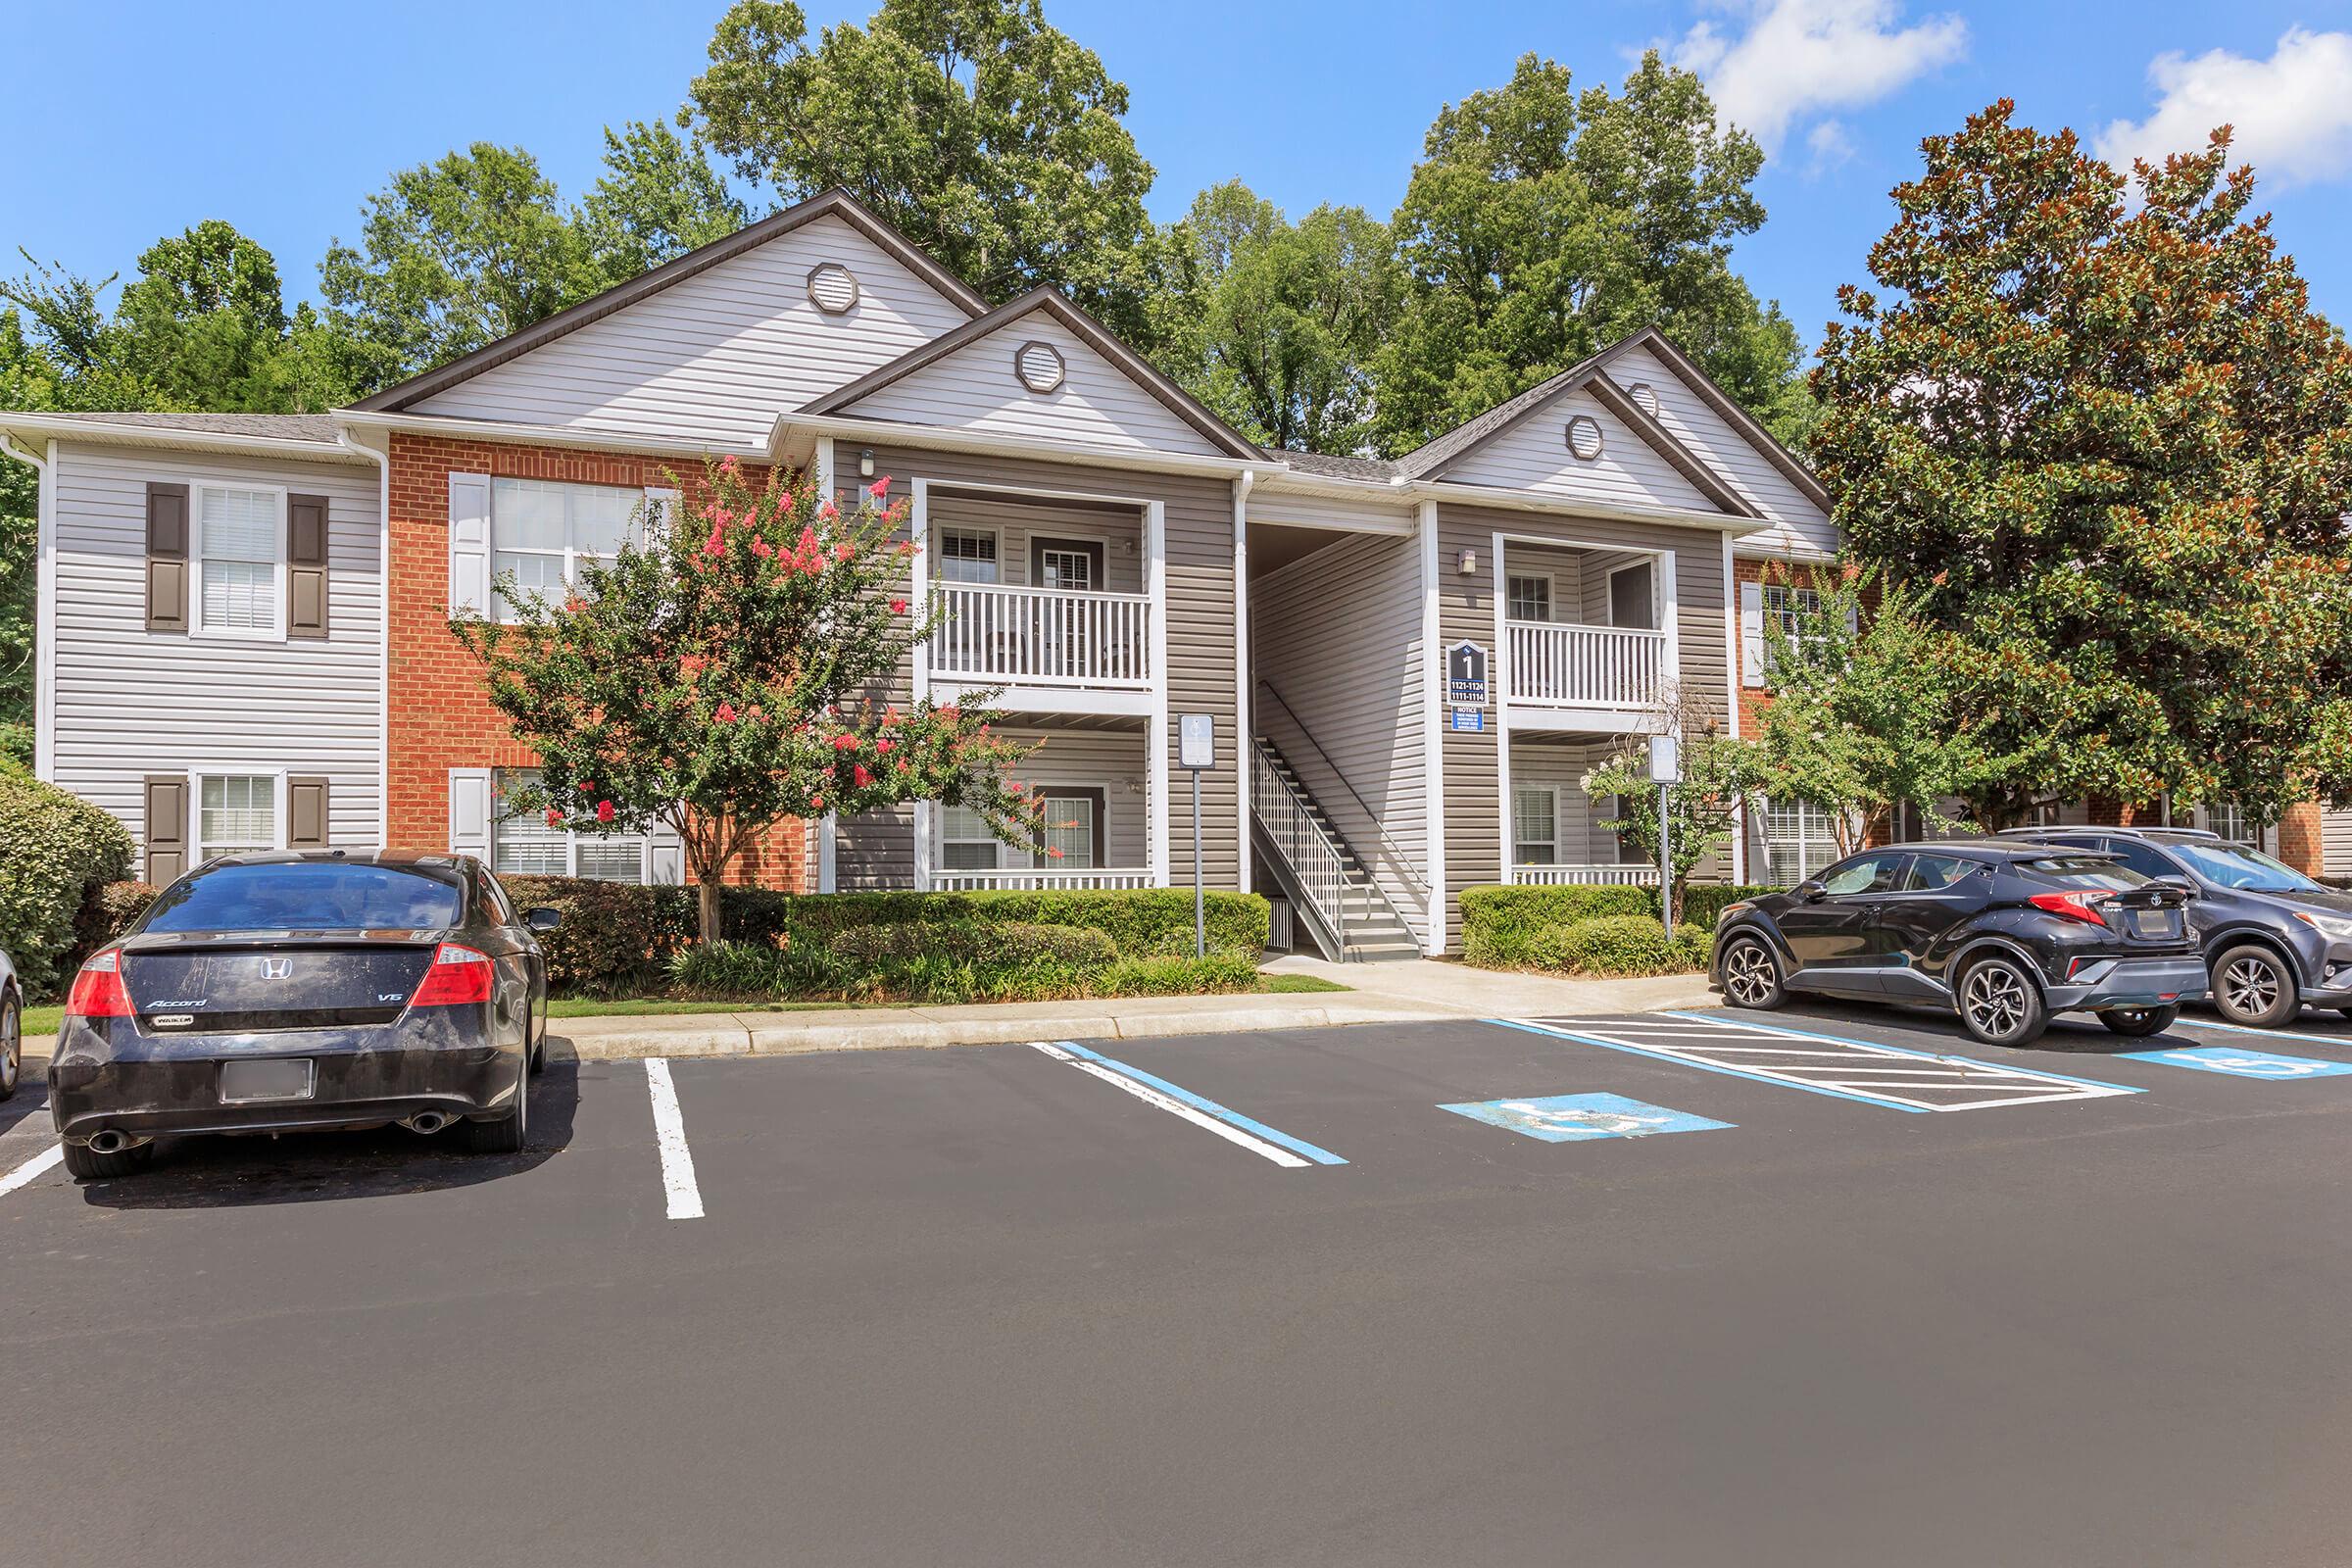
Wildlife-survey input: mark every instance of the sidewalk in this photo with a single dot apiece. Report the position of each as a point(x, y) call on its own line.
point(1405, 992)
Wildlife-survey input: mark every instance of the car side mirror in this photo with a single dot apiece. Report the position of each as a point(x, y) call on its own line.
point(1811, 891)
point(542, 920)
point(2175, 879)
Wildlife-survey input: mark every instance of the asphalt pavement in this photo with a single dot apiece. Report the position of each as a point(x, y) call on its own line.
point(1824, 1287)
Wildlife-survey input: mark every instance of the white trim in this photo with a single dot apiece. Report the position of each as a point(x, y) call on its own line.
point(794, 431)
point(1596, 721)
point(199, 773)
point(828, 844)
point(1498, 685)
point(1242, 687)
point(383, 605)
point(101, 433)
point(1155, 773)
point(1667, 602)
point(44, 602)
point(275, 632)
point(1552, 593)
point(455, 428)
point(1732, 688)
point(1432, 735)
point(1657, 588)
point(1045, 699)
point(918, 530)
point(996, 537)
point(1511, 859)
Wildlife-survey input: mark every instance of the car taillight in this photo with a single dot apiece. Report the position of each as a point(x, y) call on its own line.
point(455, 977)
point(98, 990)
point(2073, 905)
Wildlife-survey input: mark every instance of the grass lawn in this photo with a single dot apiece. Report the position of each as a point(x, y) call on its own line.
point(40, 1021)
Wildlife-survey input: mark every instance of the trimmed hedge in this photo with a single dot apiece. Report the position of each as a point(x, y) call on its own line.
point(56, 851)
point(900, 970)
point(1703, 903)
point(618, 938)
point(1500, 924)
point(1620, 945)
point(970, 941)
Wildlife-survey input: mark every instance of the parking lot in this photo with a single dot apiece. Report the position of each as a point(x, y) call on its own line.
point(1825, 1286)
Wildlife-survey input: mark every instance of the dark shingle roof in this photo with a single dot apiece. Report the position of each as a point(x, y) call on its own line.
point(320, 427)
point(1334, 468)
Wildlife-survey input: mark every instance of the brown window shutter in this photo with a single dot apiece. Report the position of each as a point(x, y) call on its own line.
point(306, 565)
point(305, 813)
point(167, 833)
point(166, 558)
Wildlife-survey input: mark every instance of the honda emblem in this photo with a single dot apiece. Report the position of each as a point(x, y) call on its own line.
point(277, 968)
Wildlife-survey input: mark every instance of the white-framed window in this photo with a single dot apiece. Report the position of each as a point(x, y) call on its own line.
point(2228, 819)
point(1528, 598)
point(1799, 838)
point(237, 813)
point(542, 532)
point(521, 843)
point(967, 555)
point(1790, 607)
point(965, 843)
point(240, 554)
point(1535, 825)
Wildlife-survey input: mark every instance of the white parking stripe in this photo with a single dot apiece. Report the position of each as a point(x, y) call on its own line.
point(669, 1130)
point(1172, 1105)
point(31, 1169)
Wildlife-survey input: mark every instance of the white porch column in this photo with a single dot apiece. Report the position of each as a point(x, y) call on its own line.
point(1498, 676)
point(828, 829)
point(919, 515)
point(1244, 688)
point(1732, 688)
point(1155, 773)
point(1432, 735)
point(1670, 658)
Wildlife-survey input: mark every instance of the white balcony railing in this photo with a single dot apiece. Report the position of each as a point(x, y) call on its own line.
point(1028, 879)
point(1584, 667)
point(1552, 876)
point(1041, 636)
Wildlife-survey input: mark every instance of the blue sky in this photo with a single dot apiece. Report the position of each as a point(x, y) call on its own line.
point(281, 117)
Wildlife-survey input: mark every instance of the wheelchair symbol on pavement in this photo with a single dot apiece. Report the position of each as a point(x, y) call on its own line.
point(2237, 1063)
point(1576, 1118)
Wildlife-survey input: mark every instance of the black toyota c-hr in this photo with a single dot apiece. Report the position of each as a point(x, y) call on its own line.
point(2004, 934)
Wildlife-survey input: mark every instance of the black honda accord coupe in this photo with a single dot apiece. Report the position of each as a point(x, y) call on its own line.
point(2003, 933)
point(301, 992)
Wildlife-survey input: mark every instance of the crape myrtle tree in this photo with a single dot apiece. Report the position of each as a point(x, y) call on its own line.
point(1702, 811)
point(721, 673)
point(2097, 424)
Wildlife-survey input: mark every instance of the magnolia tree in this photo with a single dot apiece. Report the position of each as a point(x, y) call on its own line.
point(1702, 811)
point(719, 675)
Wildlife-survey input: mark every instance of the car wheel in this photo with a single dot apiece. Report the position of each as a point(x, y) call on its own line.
point(11, 1046)
point(2140, 1022)
point(2000, 1004)
point(87, 1165)
point(1752, 975)
point(503, 1135)
point(537, 1042)
point(2253, 986)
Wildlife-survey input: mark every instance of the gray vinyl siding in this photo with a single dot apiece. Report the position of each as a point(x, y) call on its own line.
point(1337, 635)
point(1533, 454)
point(1583, 841)
point(131, 703)
point(717, 357)
point(1120, 532)
point(2336, 842)
point(1111, 760)
point(1797, 520)
point(974, 388)
point(1199, 616)
point(875, 851)
point(1473, 830)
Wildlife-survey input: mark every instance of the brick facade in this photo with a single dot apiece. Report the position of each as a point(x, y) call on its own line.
point(440, 718)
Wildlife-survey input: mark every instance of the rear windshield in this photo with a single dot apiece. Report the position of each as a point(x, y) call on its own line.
point(2233, 865)
point(316, 896)
point(2085, 872)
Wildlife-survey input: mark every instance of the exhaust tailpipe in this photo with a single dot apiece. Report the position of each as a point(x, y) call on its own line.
point(108, 1143)
point(427, 1122)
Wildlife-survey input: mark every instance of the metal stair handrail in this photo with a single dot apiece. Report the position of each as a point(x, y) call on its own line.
point(1393, 851)
point(1319, 865)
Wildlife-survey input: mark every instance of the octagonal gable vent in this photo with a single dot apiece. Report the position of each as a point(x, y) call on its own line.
point(1584, 436)
point(1039, 366)
point(832, 288)
point(1645, 396)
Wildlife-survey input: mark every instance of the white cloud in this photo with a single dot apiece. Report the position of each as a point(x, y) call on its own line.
point(2292, 112)
point(1796, 58)
point(1830, 144)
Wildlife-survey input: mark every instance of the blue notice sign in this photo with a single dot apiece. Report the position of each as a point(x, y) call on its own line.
point(1576, 1118)
point(1470, 718)
point(2244, 1063)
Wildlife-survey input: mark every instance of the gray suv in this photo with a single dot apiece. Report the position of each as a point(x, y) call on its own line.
point(2273, 939)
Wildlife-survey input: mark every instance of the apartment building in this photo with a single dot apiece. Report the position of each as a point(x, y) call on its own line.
point(244, 635)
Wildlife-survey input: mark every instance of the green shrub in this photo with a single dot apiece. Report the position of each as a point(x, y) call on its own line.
point(1500, 924)
point(56, 850)
point(969, 941)
point(943, 964)
point(1618, 945)
point(615, 937)
point(111, 910)
point(1703, 903)
point(1178, 976)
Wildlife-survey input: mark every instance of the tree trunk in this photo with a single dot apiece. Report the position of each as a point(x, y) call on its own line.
point(706, 891)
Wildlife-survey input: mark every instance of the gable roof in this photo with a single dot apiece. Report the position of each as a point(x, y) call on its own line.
point(1442, 452)
point(1044, 297)
point(835, 203)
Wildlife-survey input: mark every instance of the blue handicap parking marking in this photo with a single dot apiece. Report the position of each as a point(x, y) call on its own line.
point(1574, 1118)
point(2238, 1063)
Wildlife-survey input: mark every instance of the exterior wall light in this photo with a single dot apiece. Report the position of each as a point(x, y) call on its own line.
point(1466, 563)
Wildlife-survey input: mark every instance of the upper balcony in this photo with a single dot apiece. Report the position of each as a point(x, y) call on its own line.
point(994, 635)
point(1584, 635)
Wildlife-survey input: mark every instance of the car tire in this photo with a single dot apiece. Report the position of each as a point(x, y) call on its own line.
point(2254, 987)
point(2000, 1004)
point(505, 1136)
point(537, 1047)
point(2139, 1022)
point(1752, 975)
point(87, 1165)
point(12, 1044)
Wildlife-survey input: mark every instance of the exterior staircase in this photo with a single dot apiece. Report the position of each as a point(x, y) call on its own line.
point(1328, 886)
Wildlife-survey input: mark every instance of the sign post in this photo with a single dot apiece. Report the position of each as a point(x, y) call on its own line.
point(1196, 750)
point(1665, 771)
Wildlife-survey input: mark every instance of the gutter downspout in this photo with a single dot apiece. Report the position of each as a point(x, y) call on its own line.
point(1241, 685)
point(44, 604)
point(383, 672)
